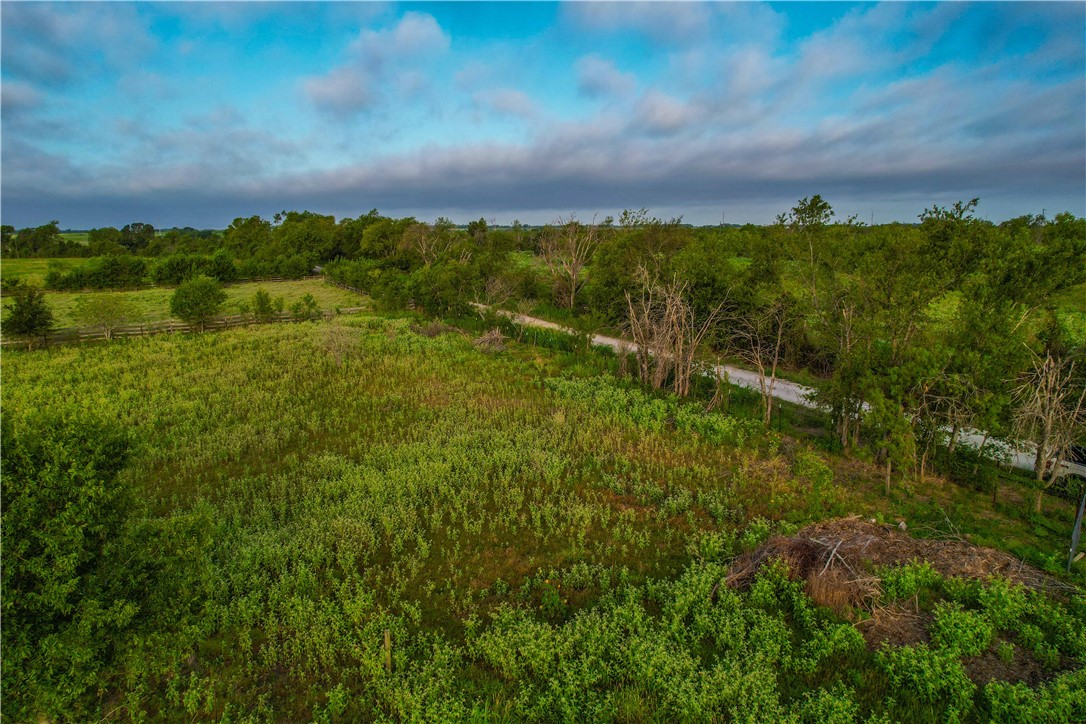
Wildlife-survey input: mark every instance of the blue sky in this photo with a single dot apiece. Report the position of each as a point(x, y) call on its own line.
point(194, 113)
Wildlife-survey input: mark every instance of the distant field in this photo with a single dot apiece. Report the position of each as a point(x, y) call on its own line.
point(78, 236)
point(154, 304)
point(1073, 299)
point(33, 271)
point(1071, 306)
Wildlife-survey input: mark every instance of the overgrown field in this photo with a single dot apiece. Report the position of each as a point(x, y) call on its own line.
point(536, 548)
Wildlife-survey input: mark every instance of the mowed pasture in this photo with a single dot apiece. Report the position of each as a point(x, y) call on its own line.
point(153, 305)
point(529, 549)
point(33, 271)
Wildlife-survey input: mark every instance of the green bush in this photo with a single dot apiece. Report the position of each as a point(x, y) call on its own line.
point(1061, 700)
point(197, 301)
point(904, 582)
point(63, 505)
point(965, 633)
point(28, 314)
point(106, 272)
point(928, 683)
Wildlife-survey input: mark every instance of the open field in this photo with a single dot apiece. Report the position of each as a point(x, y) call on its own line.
point(153, 305)
point(1071, 308)
point(33, 271)
point(80, 237)
point(536, 548)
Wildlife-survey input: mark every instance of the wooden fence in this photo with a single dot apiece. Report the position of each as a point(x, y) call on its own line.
point(142, 287)
point(94, 334)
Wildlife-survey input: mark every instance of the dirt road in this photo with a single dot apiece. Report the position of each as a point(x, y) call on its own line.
point(1020, 456)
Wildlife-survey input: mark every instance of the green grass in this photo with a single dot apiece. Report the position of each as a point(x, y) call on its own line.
point(81, 237)
point(1072, 300)
point(154, 304)
point(33, 271)
point(534, 554)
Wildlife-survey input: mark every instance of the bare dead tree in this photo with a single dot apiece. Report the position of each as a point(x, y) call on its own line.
point(566, 247)
point(496, 292)
point(428, 241)
point(1050, 412)
point(663, 325)
point(757, 339)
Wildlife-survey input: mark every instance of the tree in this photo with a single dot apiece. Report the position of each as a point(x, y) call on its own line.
point(105, 312)
point(106, 241)
point(428, 242)
point(1050, 412)
point(29, 314)
point(197, 301)
point(758, 338)
point(64, 505)
point(566, 248)
point(245, 237)
point(263, 306)
point(667, 334)
point(807, 219)
point(305, 234)
point(477, 230)
point(136, 236)
point(7, 239)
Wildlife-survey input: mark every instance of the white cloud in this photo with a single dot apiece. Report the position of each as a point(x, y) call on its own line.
point(16, 96)
point(342, 92)
point(598, 76)
point(508, 101)
point(381, 59)
point(661, 113)
point(416, 35)
point(676, 22)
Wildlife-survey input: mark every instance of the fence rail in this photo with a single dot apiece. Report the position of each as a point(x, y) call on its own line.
point(143, 287)
point(169, 326)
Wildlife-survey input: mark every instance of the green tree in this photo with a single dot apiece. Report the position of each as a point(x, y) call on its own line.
point(245, 237)
point(307, 234)
point(7, 239)
point(106, 241)
point(263, 307)
point(28, 314)
point(105, 312)
point(136, 236)
point(63, 506)
point(807, 220)
point(197, 300)
point(477, 230)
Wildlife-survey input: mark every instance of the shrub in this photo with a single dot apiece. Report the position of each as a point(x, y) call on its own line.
point(262, 306)
point(197, 300)
point(29, 314)
point(1059, 700)
point(931, 681)
point(966, 633)
point(306, 308)
point(63, 503)
point(107, 272)
point(907, 581)
point(105, 312)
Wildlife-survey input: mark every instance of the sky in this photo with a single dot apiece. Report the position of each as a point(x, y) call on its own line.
point(193, 114)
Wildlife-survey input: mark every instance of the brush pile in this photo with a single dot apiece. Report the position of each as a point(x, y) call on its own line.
point(835, 559)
